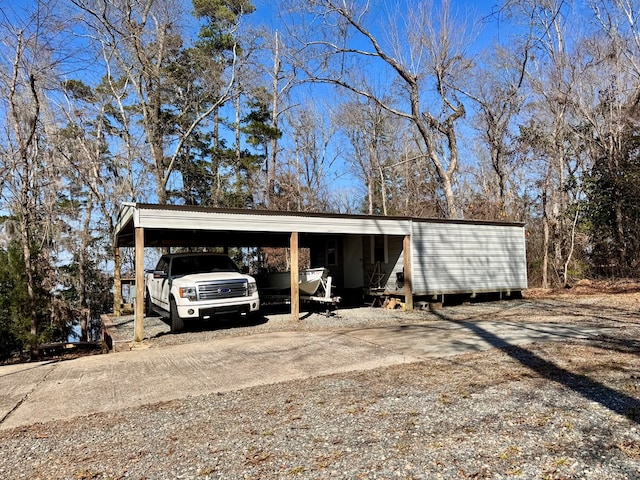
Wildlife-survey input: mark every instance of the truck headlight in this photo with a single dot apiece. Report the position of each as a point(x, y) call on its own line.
point(252, 288)
point(189, 293)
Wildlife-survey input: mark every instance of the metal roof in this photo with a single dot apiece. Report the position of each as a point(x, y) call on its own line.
point(183, 225)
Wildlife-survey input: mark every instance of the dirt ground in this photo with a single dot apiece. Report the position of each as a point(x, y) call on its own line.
point(557, 410)
point(588, 287)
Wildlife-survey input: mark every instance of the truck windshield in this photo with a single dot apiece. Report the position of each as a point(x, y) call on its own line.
point(202, 264)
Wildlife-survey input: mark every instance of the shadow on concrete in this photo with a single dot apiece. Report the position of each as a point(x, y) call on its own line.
point(223, 322)
point(591, 389)
point(31, 367)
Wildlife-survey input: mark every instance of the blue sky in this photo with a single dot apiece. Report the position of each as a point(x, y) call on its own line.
point(267, 14)
point(487, 27)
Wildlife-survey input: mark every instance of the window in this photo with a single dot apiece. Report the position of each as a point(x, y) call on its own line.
point(379, 250)
point(163, 265)
point(202, 264)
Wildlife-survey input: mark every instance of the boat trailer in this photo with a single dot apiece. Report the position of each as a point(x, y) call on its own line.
point(325, 293)
point(323, 296)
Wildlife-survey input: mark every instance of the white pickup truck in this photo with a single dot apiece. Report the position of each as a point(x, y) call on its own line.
point(199, 285)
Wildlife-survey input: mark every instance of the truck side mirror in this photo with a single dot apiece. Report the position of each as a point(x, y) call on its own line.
point(244, 269)
point(159, 274)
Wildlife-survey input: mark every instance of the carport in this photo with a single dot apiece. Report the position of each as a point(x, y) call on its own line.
point(143, 225)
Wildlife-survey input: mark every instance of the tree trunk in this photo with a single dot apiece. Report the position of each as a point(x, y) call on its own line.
point(383, 190)
point(370, 192)
point(565, 275)
point(117, 280)
point(271, 169)
point(237, 139)
point(24, 118)
point(25, 237)
point(619, 232)
point(82, 274)
point(450, 198)
point(545, 242)
point(156, 146)
point(217, 193)
point(446, 127)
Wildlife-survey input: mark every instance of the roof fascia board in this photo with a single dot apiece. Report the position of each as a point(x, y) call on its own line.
point(127, 213)
point(145, 206)
point(253, 221)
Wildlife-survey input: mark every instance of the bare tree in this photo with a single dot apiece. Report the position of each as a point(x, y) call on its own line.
point(420, 59)
point(550, 133)
point(375, 154)
point(305, 184)
point(498, 91)
point(29, 176)
point(608, 102)
point(141, 39)
point(276, 94)
point(618, 20)
point(99, 179)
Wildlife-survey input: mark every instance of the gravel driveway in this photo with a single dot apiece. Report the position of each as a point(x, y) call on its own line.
point(557, 410)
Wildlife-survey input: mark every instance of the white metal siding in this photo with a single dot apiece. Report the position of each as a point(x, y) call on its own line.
point(250, 222)
point(467, 258)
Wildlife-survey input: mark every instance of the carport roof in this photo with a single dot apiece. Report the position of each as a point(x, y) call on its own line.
point(183, 225)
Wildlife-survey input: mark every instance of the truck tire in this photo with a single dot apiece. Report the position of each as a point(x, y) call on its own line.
point(148, 311)
point(177, 323)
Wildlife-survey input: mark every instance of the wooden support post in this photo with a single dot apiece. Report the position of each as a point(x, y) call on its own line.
point(295, 288)
point(408, 284)
point(138, 323)
point(117, 282)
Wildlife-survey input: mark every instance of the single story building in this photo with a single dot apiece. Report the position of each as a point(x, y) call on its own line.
point(404, 256)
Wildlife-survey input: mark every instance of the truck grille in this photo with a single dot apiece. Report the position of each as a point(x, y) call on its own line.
point(215, 290)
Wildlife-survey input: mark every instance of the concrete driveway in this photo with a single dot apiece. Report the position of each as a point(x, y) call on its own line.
point(41, 392)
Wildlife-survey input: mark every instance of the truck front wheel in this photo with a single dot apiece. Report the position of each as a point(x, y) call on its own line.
point(177, 323)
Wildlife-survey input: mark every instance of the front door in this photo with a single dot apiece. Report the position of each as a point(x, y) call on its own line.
point(353, 262)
